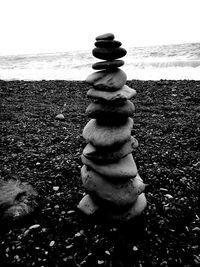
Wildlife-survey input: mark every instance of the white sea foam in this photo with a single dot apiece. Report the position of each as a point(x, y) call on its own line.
point(145, 63)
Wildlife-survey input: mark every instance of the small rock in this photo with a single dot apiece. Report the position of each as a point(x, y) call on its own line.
point(110, 154)
point(109, 53)
point(107, 43)
point(87, 205)
point(123, 94)
point(168, 196)
point(104, 136)
point(124, 168)
point(52, 243)
point(105, 36)
point(35, 226)
point(60, 117)
point(55, 188)
point(108, 65)
point(107, 81)
point(135, 248)
point(99, 110)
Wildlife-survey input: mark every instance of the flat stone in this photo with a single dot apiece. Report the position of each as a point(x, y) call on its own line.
point(123, 94)
point(99, 135)
point(124, 169)
point(137, 208)
point(105, 36)
point(109, 53)
point(107, 81)
point(107, 43)
point(101, 110)
point(60, 117)
point(87, 205)
point(108, 65)
point(113, 154)
point(119, 194)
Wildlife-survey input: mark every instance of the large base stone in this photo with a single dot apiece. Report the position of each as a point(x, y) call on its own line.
point(129, 214)
point(116, 194)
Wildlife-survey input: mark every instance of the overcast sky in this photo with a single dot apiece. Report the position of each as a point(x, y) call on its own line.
point(37, 26)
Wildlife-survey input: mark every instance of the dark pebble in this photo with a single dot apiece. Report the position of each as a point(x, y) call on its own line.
point(109, 53)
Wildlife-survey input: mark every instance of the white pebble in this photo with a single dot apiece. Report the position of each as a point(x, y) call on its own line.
point(55, 188)
point(52, 243)
point(34, 226)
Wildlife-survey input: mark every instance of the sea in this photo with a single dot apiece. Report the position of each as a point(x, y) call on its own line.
point(171, 62)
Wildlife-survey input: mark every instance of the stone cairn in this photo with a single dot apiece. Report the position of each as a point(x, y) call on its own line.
point(109, 173)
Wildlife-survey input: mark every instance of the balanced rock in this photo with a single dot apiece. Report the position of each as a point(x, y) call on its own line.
point(107, 43)
point(110, 154)
point(125, 93)
point(136, 209)
point(105, 36)
point(124, 169)
point(109, 53)
point(118, 194)
point(99, 110)
point(107, 81)
point(108, 65)
point(87, 205)
point(99, 135)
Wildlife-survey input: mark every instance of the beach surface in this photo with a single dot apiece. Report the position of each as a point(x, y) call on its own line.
point(38, 149)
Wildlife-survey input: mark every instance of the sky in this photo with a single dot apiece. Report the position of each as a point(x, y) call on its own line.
point(45, 26)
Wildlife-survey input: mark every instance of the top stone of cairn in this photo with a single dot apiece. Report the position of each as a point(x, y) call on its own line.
point(106, 36)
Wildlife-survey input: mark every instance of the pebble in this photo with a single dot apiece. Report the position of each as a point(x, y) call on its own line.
point(60, 117)
point(109, 53)
point(107, 81)
point(125, 93)
point(56, 188)
point(107, 43)
point(105, 36)
point(123, 169)
point(104, 136)
point(52, 243)
point(108, 65)
point(87, 205)
point(35, 226)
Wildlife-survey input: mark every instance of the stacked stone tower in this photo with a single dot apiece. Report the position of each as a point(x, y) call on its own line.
point(109, 173)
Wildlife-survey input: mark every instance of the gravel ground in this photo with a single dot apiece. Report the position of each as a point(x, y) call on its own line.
point(45, 152)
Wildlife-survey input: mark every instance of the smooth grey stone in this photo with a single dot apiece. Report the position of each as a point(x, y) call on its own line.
point(118, 194)
point(101, 110)
point(99, 135)
point(105, 36)
point(88, 205)
point(109, 53)
point(113, 154)
point(108, 65)
point(107, 81)
point(123, 94)
point(107, 43)
point(124, 169)
point(136, 209)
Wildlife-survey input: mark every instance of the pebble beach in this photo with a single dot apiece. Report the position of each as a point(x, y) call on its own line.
point(44, 151)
